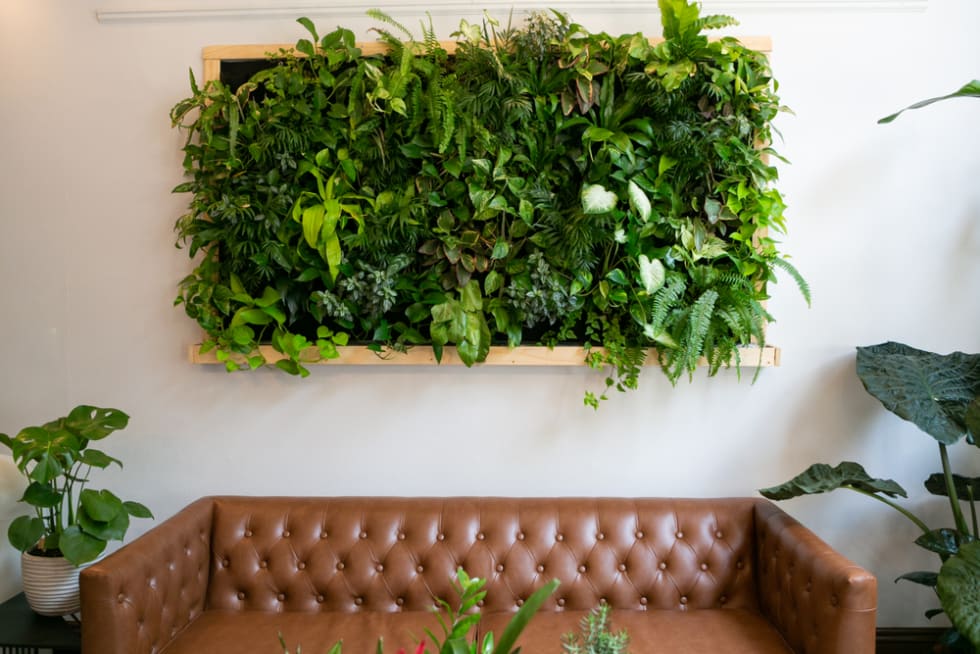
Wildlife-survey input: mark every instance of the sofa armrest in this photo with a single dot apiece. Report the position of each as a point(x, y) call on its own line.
point(821, 602)
point(137, 599)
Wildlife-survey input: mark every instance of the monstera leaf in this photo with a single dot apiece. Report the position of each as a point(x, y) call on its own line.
point(822, 478)
point(934, 391)
point(959, 591)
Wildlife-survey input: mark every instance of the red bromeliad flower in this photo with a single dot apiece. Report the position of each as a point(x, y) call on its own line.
point(418, 650)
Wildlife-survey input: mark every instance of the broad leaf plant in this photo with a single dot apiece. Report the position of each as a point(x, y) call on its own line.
point(539, 183)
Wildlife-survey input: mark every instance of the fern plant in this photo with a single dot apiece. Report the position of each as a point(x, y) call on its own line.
point(595, 636)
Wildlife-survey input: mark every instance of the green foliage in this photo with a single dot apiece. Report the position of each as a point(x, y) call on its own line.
point(939, 394)
point(595, 636)
point(541, 184)
point(968, 90)
point(56, 459)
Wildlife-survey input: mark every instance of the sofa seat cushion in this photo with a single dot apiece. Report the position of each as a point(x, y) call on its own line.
point(731, 631)
point(256, 632)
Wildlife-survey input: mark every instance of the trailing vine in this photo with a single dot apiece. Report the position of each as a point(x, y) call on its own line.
point(540, 183)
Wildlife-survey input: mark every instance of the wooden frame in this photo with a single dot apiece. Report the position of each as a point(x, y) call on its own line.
point(422, 355)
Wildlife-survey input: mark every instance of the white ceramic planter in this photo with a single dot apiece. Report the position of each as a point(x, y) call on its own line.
point(50, 584)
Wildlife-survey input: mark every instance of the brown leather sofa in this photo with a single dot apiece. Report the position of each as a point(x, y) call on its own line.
point(683, 576)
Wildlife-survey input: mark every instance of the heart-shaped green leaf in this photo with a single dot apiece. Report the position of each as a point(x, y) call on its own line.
point(958, 586)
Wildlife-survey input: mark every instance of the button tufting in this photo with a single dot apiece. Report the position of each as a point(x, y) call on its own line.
point(520, 602)
point(639, 534)
point(301, 566)
point(323, 534)
point(419, 569)
point(400, 601)
point(663, 565)
point(358, 600)
point(480, 603)
point(704, 566)
point(363, 535)
point(281, 597)
point(680, 534)
point(520, 535)
point(285, 534)
point(600, 536)
point(561, 601)
point(263, 564)
point(379, 568)
point(622, 567)
point(540, 568)
point(401, 535)
point(480, 536)
point(120, 598)
point(581, 569)
point(225, 563)
point(683, 599)
point(319, 599)
point(739, 565)
point(718, 534)
point(441, 537)
point(340, 566)
point(643, 601)
point(248, 533)
point(834, 601)
point(560, 537)
point(241, 595)
point(500, 567)
point(722, 599)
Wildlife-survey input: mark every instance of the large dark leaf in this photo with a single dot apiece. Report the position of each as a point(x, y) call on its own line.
point(931, 390)
point(822, 478)
point(959, 591)
point(936, 484)
point(24, 532)
point(944, 542)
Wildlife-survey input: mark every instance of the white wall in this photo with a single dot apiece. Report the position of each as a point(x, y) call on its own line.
point(884, 221)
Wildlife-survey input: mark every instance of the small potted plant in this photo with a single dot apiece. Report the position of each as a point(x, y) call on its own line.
point(71, 524)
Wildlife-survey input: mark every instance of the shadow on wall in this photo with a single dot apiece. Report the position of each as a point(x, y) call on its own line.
point(832, 415)
point(11, 489)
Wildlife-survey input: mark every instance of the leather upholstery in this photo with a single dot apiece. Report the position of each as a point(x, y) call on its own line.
point(370, 557)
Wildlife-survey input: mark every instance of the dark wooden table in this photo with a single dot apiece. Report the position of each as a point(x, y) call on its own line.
point(22, 631)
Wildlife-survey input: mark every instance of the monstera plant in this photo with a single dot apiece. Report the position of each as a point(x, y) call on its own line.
point(940, 394)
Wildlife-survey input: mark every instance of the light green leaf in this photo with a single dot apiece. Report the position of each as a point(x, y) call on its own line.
point(958, 586)
point(652, 274)
point(312, 224)
point(596, 199)
point(969, 90)
point(639, 201)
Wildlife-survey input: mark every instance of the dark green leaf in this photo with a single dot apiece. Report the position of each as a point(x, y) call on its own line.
point(95, 423)
point(98, 459)
point(943, 541)
point(922, 577)
point(936, 484)
point(822, 478)
point(41, 495)
point(959, 591)
point(931, 390)
point(114, 529)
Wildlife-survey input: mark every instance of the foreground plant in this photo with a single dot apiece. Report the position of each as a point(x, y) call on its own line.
point(69, 519)
point(595, 636)
point(458, 623)
point(940, 394)
point(540, 184)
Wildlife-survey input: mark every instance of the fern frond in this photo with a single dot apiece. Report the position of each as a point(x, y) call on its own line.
point(699, 324)
point(382, 17)
point(801, 283)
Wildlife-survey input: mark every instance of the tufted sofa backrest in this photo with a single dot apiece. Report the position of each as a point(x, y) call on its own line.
point(397, 554)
